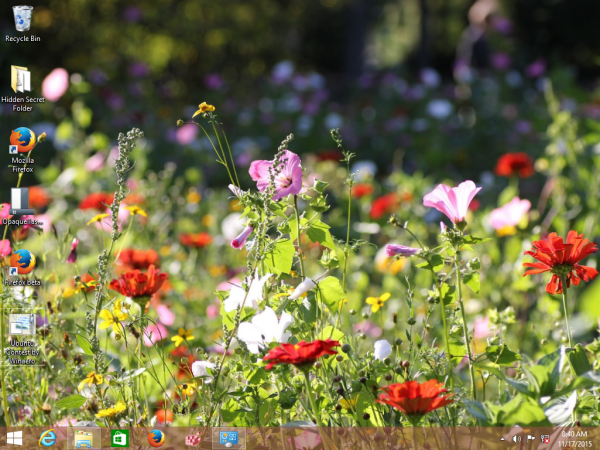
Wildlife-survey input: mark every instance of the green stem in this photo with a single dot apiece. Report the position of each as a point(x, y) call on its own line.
point(465, 329)
point(300, 256)
point(564, 298)
point(311, 398)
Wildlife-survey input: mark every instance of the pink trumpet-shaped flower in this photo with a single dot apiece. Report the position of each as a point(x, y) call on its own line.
point(239, 241)
point(73, 255)
point(288, 180)
point(400, 250)
point(55, 84)
point(4, 208)
point(509, 215)
point(453, 202)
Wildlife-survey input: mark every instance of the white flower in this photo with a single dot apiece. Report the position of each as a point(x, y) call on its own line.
point(199, 369)
point(232, 225)
point(302, 288)
point(383, 349)
point(265, 328)
point(238, 294)
point(439, 108)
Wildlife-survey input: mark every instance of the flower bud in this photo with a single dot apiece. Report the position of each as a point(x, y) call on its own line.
point(346, 348)
point(366, 416)
point(42, 137)
point(339, 358)
point(398, 342)
point(338, 407)
point(352, 312)
point(180, 123)
point(388, 377)
point(318, 365)
point(337, 379)
point(411, 321)
point(340, 391)
point(406, 364)
point(365, 316)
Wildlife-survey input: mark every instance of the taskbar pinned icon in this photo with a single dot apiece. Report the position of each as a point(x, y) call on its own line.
point(229, 438)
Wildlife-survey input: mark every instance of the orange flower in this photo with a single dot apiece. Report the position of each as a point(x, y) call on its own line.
point(135, 284)
point(415, 399)
point(562, 260)
point(38, 197)
point(139, 259)
point(98, 201)
point(198, 240)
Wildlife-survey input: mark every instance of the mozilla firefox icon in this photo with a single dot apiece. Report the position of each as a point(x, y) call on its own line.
point(156, 438)
point(23, 138)
point(23, 260)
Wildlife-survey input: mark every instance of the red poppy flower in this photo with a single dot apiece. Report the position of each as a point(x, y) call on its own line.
point(330, 155)
point(415, 399)
point(361, 190)
point(562, 260)
point(164, 416)
point(198, 240)
point(135, 284)
point(512, 164)
point(98, 201)
point(139, 259)
point(386, 204)
point(38, 197)
point(303, 354)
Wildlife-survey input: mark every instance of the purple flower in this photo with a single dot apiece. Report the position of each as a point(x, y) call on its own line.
point(138, 70)
point(288, 180)
point(453, 202)
point(73, 255)
point(536, 68)
point(501, 61)
point(132, 14)
point(401, 250)
point(239, 241)
point(214, 81)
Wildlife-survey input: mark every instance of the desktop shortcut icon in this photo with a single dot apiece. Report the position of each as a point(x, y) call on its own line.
point(22, 15)
point(23, 260)
point(20, 79)
point(19, 202)
point(22, 138)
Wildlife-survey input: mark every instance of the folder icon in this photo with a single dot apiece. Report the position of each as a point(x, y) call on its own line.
point(20, 79)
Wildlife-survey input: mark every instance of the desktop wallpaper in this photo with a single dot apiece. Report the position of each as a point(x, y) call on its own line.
point(324, 213)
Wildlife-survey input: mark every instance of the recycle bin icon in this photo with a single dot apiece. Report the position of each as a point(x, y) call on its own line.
point(23, 17)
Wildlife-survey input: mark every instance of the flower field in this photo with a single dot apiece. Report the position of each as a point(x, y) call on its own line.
point(314, 283)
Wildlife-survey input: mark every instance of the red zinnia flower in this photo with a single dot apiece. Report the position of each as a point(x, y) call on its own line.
point(361, 190)
point(135, 284)
point(139, 259)
point(198, 240)
point(303, 354)
point(38, 197)
point(415, 399)
point(98, 201)
point(562, 260)
point(512, 164)
point(386, 204)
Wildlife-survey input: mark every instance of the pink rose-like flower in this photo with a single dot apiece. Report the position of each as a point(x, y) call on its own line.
point(4, 208)
point(5, 248)
point(287, 181)
point(509, 215)
point(453, 202)
point(185, 135)
point(55, 84)
point(239, 241)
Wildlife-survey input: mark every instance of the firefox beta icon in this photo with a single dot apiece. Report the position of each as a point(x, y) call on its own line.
point(23, 261)
point(23, 138)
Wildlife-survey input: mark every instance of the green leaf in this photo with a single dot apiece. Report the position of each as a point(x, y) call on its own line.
point(457, 349)
point(586, 381)
point(319, 232)
point(255, 376)
point(435, 263)
point(278, 208)
point(74, 401)
point(84, 344)
point(501, 355)
point(329, 259)
point(331, 293)
point(479, 411)
point(319, 204)
point(320, 185)
point(330, 332)
point(474, 240)
point(472, 280)
point(280, 259)
point(579, 360)
point(522, 411)
point(229, 317)
point(448, 294)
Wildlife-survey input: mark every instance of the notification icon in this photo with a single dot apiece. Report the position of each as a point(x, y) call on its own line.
point(545, 438)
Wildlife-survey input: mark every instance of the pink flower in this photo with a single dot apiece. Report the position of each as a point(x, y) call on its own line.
point(442, 227)
point(369, 328)
point(287, 181)
point(5, 248)
point(154, 333)
point(185, 135)
point(45, 222)
point(239, 241)
point(509, 215)
point(55, 84)
point(95, 163)
point(454, 202)
point(400, 250)
point(165, 315)
point(106, 223)
point(308, 440)
point(536, 69)
point(4, 208)
point(72, 258)
point(481, 329)
point(213, 311)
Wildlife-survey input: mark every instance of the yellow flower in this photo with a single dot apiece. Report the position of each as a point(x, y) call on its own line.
point(349, 405)
point(81, 286)
point(208, 220)
point(110, 412)
point(235, 205)
point(97, 218)
point(194, 196)
point(204, 108)
point(506, 231)
point(135, 210)
point(113, 318)
point(92, 378)
point(377, 302)
point(182, 337)
point(188, 388)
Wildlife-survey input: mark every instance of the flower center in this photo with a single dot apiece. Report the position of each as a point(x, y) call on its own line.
point(285, 181)
point(562, 270)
